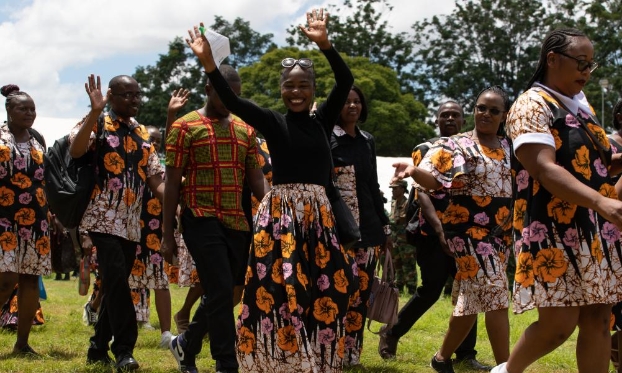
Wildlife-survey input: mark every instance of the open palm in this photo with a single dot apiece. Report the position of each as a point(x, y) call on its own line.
point(199, 44)
point(316, 25)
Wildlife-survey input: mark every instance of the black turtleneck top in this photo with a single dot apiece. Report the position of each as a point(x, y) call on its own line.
point(298, 147)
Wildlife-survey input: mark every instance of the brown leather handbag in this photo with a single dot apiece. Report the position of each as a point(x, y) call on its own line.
point(385, 297)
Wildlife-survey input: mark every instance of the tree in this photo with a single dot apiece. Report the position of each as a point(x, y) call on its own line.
point(246, 44)
point(179, 68)
point(364, 34)
point(603, 25)
point(395, 118)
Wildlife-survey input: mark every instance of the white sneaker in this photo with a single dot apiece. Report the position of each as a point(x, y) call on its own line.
point(499, 369)
point(89, 315)
point(165, 339)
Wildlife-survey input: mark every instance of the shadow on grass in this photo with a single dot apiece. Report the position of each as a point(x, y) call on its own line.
point(372, 369)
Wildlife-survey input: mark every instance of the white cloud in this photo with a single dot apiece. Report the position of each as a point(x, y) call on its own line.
point(45, 38)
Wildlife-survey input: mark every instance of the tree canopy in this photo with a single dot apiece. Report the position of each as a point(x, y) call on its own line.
point(405, 75)
point(395, 118)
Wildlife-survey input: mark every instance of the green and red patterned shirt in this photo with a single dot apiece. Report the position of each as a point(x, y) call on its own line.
point(214, 159)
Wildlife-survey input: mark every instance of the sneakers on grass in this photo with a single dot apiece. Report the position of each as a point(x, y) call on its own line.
point(185, 361)
point(89, 315)
point(165, 339)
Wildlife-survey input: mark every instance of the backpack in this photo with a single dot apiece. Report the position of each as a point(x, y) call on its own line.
point(70, 182)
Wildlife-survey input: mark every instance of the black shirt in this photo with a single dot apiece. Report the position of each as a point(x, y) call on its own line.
point(360, 151)
point(297, 144)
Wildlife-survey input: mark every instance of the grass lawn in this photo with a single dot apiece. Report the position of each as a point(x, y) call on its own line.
point(63, 341)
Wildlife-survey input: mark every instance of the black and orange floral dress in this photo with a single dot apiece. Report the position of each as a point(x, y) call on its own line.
point(299, 277)
point(24, 227)
point(567, 255)
point(477, 219)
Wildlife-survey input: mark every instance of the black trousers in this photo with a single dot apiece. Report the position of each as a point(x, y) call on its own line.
point(435, 267)
point(115, 259)
point(218, 253)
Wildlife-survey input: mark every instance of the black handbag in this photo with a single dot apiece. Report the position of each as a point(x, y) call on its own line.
point(347, 228)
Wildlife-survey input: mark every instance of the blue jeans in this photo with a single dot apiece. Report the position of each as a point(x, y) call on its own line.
point(435, 267)
point(218, 253)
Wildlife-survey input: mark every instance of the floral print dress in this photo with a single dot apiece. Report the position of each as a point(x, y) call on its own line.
point(477, 219)
point(567, 255)
point(24, 233)
point(295, 325)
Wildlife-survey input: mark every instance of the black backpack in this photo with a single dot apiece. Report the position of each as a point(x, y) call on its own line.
point(70, 182)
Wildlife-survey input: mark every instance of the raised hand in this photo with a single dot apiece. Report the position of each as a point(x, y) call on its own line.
point(317, 19)
point(201, 48)
point(179, 98)
point(93, 88)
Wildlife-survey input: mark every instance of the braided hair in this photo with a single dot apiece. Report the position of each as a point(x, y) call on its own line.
point(498, 90)
point(556, 41)
point(617, 109)
point(10, 91)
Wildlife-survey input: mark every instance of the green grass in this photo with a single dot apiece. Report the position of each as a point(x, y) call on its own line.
point(63, 341)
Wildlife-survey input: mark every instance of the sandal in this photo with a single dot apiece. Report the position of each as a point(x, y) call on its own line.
point(181, 324)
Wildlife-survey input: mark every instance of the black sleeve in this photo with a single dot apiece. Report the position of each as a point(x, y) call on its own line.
point(259, 118)
point(374, 186)
point(329, 111)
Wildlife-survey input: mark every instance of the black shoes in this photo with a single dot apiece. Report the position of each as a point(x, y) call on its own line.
point(126, 363)
point(387, 346)
point(473, 364)
point(441, 366)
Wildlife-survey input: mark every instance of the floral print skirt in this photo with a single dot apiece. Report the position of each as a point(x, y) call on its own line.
point(298, 283)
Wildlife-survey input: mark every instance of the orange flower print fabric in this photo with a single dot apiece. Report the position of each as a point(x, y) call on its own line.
point(477, 219)
point(153, 274)
point(126, 159)
point(567, 255)
point(298, 286)
point(24, 228)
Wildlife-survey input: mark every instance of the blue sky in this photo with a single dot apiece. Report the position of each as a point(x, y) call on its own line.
point(49, 47)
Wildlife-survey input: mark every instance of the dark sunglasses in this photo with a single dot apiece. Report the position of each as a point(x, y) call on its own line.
point(129, 95)
point(582, 64)
point(305, 63)
point(483, 108)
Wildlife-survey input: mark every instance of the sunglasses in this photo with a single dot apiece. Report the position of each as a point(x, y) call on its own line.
point(483, 108)
point(581, 64)
point(305, 63)
point(129, 95)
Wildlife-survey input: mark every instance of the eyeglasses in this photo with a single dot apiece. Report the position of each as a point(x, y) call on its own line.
point(129, 95)
point(582, 64)
point(483, 108)
point(305, 63)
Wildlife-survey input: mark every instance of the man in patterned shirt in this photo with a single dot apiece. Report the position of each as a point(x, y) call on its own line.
point(127, 163)
point(214, 151)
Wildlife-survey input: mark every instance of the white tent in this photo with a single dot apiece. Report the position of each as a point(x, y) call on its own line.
point(385, 173)
point(54, 128)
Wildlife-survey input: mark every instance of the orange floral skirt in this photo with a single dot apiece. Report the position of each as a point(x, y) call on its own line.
point(297, 288)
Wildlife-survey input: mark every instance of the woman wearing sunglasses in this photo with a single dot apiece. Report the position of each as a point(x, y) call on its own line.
point(299, 278)
point(567, 218)
point(474, 169)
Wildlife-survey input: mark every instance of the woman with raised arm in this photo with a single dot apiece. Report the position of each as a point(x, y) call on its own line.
point(299, 277)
